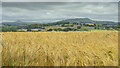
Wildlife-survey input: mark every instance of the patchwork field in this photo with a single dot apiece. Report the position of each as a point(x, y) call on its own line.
point(75, 48)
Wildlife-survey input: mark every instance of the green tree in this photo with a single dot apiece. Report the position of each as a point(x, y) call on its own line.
point(72, 25)
point(95, 27)
point(28, 29)
point(78, 27)
point(13, 29)
point(67, 29)
point(49, 30)
point(62, 25)
point(55, 29)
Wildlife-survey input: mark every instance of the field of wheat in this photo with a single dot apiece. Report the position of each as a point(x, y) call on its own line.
point(79, 48)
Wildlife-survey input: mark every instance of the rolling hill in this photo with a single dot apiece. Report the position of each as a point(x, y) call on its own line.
point(78, 20)
point(87, 20)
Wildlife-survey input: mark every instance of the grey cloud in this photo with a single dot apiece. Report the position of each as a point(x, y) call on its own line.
point(0, 12)
point(59, 10)
point(60, 0)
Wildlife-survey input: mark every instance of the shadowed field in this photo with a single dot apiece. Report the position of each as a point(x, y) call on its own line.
point(79, 48)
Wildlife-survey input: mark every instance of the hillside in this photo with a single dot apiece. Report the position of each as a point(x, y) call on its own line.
point(87, 20)
point(77, 20)
point(82, 20)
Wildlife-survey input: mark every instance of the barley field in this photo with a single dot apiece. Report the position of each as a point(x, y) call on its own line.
point(75, 48)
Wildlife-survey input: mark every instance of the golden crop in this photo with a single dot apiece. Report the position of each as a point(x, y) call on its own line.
point(77, 48)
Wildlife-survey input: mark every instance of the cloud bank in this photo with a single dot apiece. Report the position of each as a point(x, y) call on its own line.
point(60, 0)
point(54, 11)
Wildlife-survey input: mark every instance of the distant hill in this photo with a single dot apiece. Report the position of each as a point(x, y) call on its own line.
point(78, 20)
point(13, 23)
point(87, 20)
point(18, 23)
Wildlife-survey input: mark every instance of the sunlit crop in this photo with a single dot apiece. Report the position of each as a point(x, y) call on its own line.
point(75, 48)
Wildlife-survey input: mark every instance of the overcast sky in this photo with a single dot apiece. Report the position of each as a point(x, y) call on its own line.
point(55, 11)
point(0, 12)
point(60, 0)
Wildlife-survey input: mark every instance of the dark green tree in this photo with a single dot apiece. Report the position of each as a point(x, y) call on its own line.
point(49, 30)
point(78, 27)
point(28, 29)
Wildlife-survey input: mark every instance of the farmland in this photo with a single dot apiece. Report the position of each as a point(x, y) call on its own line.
point(73, 48)
point(83, 25)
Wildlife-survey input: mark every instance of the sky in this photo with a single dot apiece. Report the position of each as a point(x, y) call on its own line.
point(45, 12)
point(60, 0)
point(0, 12)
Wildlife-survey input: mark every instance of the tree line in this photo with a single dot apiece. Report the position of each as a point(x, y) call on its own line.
point(68, 27)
